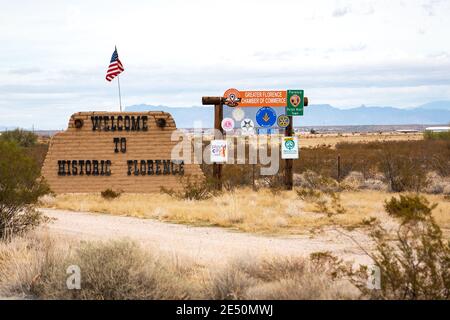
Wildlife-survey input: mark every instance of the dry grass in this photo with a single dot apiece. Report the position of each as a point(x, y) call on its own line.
point(307, 140)
point(246, 210)
point(315, 140)
point(285, 279)
point(21, 262)
point(34, 267)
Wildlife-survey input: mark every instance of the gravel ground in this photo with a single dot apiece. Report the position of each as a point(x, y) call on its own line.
point(205, 245)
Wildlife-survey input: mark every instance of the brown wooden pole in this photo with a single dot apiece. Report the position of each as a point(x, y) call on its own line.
point(218, 116)
point(289, 163)
point(212, 100)
point(288, 172)
point(217, 167)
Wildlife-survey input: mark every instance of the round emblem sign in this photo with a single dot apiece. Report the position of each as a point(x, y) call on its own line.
point(232, 97)
point(247, 126)
point(227, 124)
point(238, 114)
point(266, 117)
point(295, 100)
point(283, 121)
point(289, 144)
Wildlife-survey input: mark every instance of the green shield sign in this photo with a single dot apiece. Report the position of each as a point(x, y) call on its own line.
point(294, 103)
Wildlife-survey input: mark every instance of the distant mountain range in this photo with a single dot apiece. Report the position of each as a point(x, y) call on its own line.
point(437, 112)
point(436, 105)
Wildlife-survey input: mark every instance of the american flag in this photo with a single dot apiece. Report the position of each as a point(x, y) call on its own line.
point(115, 66)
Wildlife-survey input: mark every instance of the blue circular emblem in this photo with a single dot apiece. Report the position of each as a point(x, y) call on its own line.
point(266, 117)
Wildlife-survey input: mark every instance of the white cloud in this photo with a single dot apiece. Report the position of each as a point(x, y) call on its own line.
point(342, 11)
point(54, 54)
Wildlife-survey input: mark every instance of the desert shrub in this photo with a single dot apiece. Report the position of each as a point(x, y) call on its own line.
point(327, 201)
point(234, 176)
point(416, 265)
point(308, 195)
point(229, 284)
point(368, 158)
point(35, 266)
point(113, 270)
point(404, 163)
point(369, 222)
point(312, 180)
point(121, 270)
point(330, 203)
point(20, 189)
point(402, 172)
point(275, 183)
point(192, 189)
point(29, 142)
point(110, 194)
point(437, 184)
point(278, 278)
point(336, 205)
point(374, 184)
point(22, 137)
point(38, 153)
point(409, 208)
point(353, 181)
point(440, 161)
point(20, 264)
point(430, 135)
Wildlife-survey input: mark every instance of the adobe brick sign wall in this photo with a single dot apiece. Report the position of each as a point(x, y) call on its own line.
point(128, 151)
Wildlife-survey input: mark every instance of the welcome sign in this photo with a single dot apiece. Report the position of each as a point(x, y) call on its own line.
point(112, 150)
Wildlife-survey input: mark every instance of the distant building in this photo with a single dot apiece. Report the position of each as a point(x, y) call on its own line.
point(407, 131)
point(438, 129)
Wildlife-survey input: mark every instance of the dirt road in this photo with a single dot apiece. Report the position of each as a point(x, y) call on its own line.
point(206, 245)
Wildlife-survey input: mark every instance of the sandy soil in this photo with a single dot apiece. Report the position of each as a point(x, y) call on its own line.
point(205, 245)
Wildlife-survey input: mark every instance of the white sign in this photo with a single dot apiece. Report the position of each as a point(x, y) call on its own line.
point(219, 151)
point(289, 148)
point(228, 124)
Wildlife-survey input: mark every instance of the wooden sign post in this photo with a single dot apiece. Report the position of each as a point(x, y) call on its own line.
point(218, 117)
point(288, 163)
point(235, 98)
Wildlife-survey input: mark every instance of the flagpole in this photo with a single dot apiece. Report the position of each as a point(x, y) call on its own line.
point(120, 97)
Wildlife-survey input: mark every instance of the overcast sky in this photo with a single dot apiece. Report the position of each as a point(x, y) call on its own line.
point(54, 54)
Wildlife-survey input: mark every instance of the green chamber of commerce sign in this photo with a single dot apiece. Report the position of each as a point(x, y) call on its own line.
point(294, 103)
